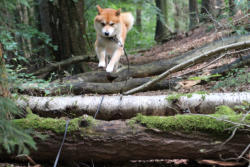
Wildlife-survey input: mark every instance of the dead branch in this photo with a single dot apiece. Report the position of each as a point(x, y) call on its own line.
point(64, 63)
point(192, 61)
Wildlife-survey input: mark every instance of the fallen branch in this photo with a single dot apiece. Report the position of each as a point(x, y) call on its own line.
point(64, 63)
point(125, 107)
point(192, 61)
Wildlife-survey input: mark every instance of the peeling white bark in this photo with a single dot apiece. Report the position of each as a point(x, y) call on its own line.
point(124, 107)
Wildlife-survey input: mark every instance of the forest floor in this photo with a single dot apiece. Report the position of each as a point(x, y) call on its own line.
point(237, 80)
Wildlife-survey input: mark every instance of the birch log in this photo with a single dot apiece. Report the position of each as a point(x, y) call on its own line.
point(124, 107)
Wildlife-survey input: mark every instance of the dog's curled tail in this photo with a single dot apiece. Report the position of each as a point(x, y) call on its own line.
point(128, 19)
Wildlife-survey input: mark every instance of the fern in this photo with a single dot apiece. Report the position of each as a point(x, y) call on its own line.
point(12, 137)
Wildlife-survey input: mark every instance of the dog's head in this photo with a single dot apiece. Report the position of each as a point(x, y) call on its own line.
point(107, 22)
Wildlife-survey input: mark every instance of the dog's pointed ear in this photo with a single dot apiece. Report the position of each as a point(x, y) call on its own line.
point(99, 9)
point(118, 12)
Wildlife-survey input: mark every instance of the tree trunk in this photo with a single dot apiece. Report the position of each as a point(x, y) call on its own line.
point(193, 14)
point(177, 15)
point(125, 107)
point(4, 89)
point(206, 10)
point(232, 7)
point(65, 18)
point(119, 141)
point(138, 22)
point(162, 31)
point(218, 7)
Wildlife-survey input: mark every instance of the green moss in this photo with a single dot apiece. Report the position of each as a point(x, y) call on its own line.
point(56, 125)
point(177, 96)
point(190, 122)
point(224, 110)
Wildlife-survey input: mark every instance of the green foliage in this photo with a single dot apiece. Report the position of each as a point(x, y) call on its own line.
point(204, 78)
point(188, 123)
point(177, 96)
point(234, 79)
point(13, 136)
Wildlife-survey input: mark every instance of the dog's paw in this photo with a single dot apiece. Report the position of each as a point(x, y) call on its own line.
point(109, 69)
point(102, 64)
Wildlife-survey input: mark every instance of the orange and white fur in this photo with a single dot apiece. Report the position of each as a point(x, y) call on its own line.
point(111, 23)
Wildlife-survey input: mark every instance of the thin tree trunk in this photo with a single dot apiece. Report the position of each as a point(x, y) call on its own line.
point(232, 7)
point(138, 22)
point(205, 10)
point(162, 30)
point(193, 14)
point(177, 15)
point(4, 89)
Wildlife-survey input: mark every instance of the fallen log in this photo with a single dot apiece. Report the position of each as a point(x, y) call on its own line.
point(142, 138)
point(125, 107)
point(80, 88)
point(153, 68)
point(240, 62)
point(64, 63)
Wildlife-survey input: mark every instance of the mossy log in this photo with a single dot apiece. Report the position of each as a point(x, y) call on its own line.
point(141, 138)
point(156, 67)
point(125, 107)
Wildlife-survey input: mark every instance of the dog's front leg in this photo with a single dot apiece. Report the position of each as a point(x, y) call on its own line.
point(101, 53)
point(114, 60)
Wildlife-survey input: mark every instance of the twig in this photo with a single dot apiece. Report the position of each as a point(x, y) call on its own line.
point(239, 157)
point(183, 65)
point(234, 131)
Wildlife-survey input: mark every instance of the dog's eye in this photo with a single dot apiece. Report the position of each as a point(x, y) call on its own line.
point(103, 24)
point(111, 24)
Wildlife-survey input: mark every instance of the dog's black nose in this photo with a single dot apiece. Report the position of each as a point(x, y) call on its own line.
point(106, 33)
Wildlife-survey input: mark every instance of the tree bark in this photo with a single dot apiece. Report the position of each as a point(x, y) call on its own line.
point(79, 88)
point(193, 14)
point(4, 89)
point(125, 107)
point(162, 31)
point(66, 21)
point(138, 22)
point(206, 9)
point(119, 141)
point(177, 15)
point(232, 7)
